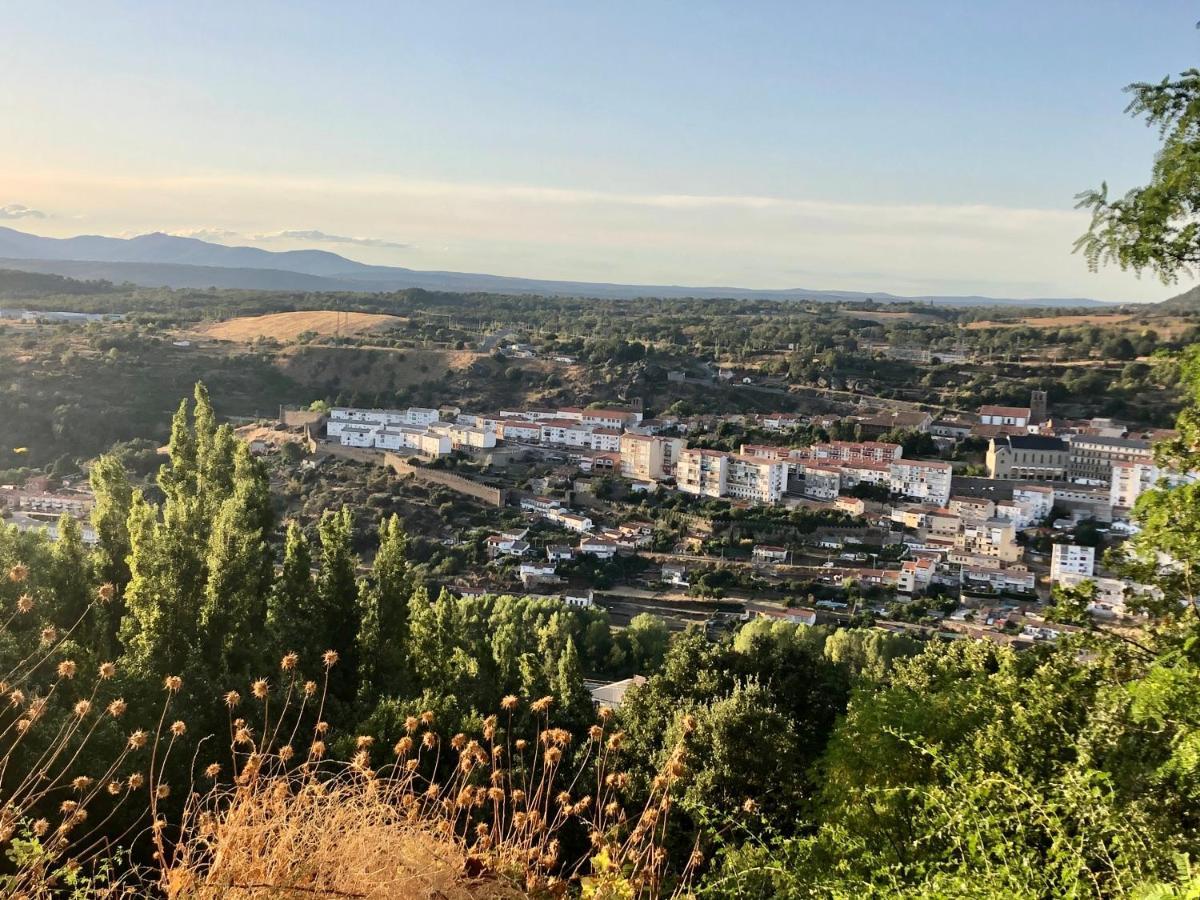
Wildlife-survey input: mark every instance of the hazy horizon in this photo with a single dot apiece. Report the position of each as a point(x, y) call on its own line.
point(932, 149)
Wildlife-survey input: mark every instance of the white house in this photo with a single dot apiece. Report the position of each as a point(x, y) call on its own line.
point(581, 599)
point(1018, 416)
point(598, 547)
point(766, 553)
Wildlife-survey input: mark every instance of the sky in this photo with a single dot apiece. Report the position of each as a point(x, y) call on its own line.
point(920, 148)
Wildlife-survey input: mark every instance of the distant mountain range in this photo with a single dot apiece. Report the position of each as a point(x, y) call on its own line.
point(164, 260)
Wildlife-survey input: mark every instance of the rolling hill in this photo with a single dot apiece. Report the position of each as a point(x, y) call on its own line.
point(163, 260)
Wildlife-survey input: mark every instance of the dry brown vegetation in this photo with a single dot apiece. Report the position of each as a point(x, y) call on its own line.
point(1167, 327)
point(288, 824)
point(469, 818)
point(287, 326)
point(369, 369)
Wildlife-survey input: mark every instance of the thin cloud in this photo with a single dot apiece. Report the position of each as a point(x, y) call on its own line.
point(309, 235)
point(324, 237)
point(215, 235)
point(20, 211)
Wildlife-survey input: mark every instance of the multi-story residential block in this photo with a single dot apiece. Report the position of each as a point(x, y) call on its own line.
point(607, 418)
point(425, 442)
point(1027, 457)
point(606, 439)
point(1071, 559)
point(414, 416)
point(519, 430)
point(854, 473)
point(647, 457)
point(990, 539)
point(702, 472)
point(565, 433)
point(1039, 497)
point(465, 436)
point(921, 479)
point(1129, 481)
point(854, 451)
point(76, 505)
point(915, 574)
point(1092, 456)
point(822, 482)
point(1021, 513)
point(757, 480)
point(973, 507)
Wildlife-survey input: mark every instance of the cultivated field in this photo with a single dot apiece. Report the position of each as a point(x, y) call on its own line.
point(288, 326)
point(1101, 319)
point(1166, 326)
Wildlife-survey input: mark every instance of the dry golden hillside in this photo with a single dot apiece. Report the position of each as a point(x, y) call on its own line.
point(287, 326)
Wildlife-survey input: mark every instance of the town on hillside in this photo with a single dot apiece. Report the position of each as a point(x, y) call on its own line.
point(963, 528)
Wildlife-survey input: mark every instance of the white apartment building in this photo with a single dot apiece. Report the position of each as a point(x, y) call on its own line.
point(427, 443)
point(465, 436)
point(758, 480)
point(822, 482)
point(649, 457)
point(519, 430)
point(921, 480)
point(414, 416)
point(1129, 481)
point(1039, 497)
point(1022, 514)
point(565, 433)
point(702, 472)
point(1071, 559)
point(606, 439)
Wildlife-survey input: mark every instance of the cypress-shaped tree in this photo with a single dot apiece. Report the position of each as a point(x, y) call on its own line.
point(240, 570)
point(337, 598)
point(293, 622)
point(383, 619)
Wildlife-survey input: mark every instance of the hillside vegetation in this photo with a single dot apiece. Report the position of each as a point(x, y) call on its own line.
point(350, 733)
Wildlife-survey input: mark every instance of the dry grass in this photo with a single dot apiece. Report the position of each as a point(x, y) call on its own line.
point(290, 825)
point(1101, 319)
point(1167, 327)
point(287, 326)
point(336, 842)
point(469, 818)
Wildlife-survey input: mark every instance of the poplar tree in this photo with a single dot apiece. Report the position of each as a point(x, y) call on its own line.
point(337, 599)
point(240, 570)
point(292, 621)
point(383, 618)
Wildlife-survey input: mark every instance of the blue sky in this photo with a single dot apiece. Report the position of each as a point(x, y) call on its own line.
point(923, 147)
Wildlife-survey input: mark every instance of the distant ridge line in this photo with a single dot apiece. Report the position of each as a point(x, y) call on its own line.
point(163, 260)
